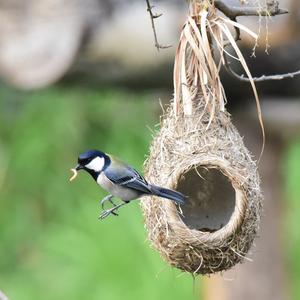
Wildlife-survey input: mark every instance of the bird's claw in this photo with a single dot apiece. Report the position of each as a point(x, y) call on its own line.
point(112, 211)
point(107, 212)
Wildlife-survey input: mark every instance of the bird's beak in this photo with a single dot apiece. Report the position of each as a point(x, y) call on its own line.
point(78, 167)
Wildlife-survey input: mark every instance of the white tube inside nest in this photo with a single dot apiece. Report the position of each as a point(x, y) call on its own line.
point(212, 199)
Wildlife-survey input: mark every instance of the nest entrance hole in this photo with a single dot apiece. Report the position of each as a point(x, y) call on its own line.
point(211, 199)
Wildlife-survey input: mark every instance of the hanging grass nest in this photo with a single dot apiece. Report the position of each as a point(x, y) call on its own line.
point(215, 228)
point(200, 153)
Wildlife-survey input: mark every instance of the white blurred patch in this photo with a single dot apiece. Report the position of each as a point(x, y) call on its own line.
point(2, 296)
point(96, 164)
point(39, 40)
point(127, 37)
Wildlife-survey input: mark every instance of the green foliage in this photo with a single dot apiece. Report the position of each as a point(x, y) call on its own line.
point(52, 244)
point(291, 169)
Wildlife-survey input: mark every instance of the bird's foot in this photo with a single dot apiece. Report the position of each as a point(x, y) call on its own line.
point(108, 198)
point(105, 199)
point(106, 213)
point(112, 211)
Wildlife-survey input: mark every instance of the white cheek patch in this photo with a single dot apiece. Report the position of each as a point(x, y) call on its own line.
point(96, 164)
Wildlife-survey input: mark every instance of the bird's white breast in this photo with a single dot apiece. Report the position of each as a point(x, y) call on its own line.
point(121, 192)
point(96, 164)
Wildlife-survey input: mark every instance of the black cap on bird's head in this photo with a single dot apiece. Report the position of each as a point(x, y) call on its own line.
point(92, 161)
point(86, 157)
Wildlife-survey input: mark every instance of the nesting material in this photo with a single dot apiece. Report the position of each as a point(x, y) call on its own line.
point(216, 227)
point(200, 153)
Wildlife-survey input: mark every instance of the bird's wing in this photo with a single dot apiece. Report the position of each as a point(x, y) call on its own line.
point(124, 175)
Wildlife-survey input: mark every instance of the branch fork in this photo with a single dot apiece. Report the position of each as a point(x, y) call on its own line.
point(154, 16)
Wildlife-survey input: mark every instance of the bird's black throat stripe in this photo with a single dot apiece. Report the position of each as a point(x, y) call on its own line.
point(95, 174)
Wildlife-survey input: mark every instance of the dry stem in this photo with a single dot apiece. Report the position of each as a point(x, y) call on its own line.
point(233, 11)
point(257, 79)
point(152, 17)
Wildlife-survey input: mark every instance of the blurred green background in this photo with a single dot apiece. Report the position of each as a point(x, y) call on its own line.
point(52, 244)
point(51, 238)
point(291, 174)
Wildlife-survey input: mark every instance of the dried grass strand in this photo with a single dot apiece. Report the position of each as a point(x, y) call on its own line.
point(195, 68)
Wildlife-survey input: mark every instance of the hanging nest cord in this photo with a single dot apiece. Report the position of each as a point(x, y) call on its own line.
point(200, 153)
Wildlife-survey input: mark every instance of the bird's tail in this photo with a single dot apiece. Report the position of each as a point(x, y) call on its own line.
point(169, 194)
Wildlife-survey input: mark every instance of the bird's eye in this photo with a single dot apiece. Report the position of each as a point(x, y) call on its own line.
point(88, 160)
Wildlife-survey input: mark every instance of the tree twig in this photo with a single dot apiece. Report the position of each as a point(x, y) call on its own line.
point(152, 17)
point(235, 11)
point(257, 79)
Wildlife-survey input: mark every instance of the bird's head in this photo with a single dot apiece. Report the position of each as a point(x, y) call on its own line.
point(92, 161)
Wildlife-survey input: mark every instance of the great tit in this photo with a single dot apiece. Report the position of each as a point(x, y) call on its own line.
point(120, 180)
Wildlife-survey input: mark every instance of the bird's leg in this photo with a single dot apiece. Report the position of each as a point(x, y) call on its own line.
point(105, 199)
point(108, 198)
point(111, 202)
point(107, 212)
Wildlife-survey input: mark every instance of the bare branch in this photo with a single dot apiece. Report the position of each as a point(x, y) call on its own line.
point(155, 16)
point(232, 13)
point(257, 79)
point(235, 11)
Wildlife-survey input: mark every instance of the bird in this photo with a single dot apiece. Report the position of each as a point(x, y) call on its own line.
point(120, 180)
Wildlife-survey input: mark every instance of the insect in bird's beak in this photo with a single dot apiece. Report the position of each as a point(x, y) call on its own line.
point(75, 171)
